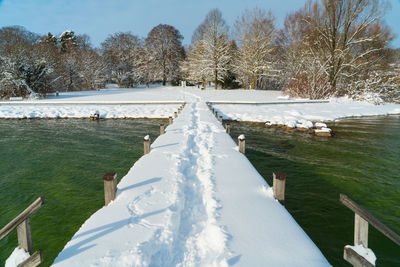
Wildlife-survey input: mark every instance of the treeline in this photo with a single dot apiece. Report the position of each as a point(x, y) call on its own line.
point(327, 48)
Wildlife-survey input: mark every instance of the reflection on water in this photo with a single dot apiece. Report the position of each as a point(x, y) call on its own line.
point(362, 161)
point(64, 161)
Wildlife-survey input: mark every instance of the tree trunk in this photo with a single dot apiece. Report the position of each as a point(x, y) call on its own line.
point(216, 79)
point(253, 82)
point(164, 81)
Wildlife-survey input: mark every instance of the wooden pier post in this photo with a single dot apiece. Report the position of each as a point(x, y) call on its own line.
point(220, 119)
point(228, 128)
point(23, 224)
point(213, 111)
point(362, 219)
point(216, 114)
point(242, 143)
point(360, 231)
point(279, 180)
point(170, 120)
point(24, 235)
point(162, 129)
point(110, 187)
point(175, 114)
point(146, 144)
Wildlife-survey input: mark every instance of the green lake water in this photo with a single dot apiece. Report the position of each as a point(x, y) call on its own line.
point(362, 161)
point(64, 161)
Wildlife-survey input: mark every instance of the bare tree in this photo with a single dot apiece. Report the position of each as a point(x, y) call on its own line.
point(342, 27)
point(165, 52)
point(212, 41)
point(193, 67)
point(255, 34)
point(302, 71)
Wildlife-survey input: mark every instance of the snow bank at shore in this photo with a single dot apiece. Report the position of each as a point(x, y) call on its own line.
point(291, 115)
point(302, 115)
point(84, 111)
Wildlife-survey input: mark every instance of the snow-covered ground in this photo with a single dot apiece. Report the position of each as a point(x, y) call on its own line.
point(294, 114)
point(287, 114)
point(203, 205)
point(85, 110)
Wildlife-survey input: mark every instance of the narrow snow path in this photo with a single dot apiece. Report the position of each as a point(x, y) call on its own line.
point(194, 200)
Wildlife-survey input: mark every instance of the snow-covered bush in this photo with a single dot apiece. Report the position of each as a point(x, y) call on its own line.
point(304, 86)
point(377, 88)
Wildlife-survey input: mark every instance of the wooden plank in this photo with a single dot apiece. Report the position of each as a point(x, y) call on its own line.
point(360, 231)
point(370, 219)
point(354, 258)
point(34, 260)
point(24, 235)
point(35, 206)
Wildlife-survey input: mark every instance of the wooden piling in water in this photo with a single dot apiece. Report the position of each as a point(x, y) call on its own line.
point(220, 119)
point(110, 187)
point(242, 143)
point(175, 114)
point(170, 120)
point(24, 235)
point(146, 144)
point(162, 129)
point(279, 180)
point(360, 231)
point(216, 114)
point(228, 128)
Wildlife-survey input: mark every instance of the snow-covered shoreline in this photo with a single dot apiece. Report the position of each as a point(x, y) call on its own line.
point(109, 111)
point(161, 102)
point(296, 115)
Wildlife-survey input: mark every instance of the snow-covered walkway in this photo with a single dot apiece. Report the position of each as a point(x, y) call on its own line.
point(194, 200)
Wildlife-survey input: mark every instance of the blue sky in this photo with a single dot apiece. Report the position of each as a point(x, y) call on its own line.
point(99, 18)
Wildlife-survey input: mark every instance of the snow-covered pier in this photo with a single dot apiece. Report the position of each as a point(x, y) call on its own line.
point(194, 200)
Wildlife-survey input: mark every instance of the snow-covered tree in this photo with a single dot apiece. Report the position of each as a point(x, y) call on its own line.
point(192, 67)
point(211, 41)
point(67, 41)
point(122, 53)
point(165, 53)
point(255, 33)
point(344, 36)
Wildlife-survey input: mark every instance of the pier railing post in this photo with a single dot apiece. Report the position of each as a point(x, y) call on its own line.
point(242, 143)
point(24, 235)
point(23, 225)
point(170, 120)
point(146, 144)
point(110, 187)
point(228, 128)
point(162, 129)
point(279, 180)
point(175, 114)
point(360, 231)
point(216, 114)
point(220, 119)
